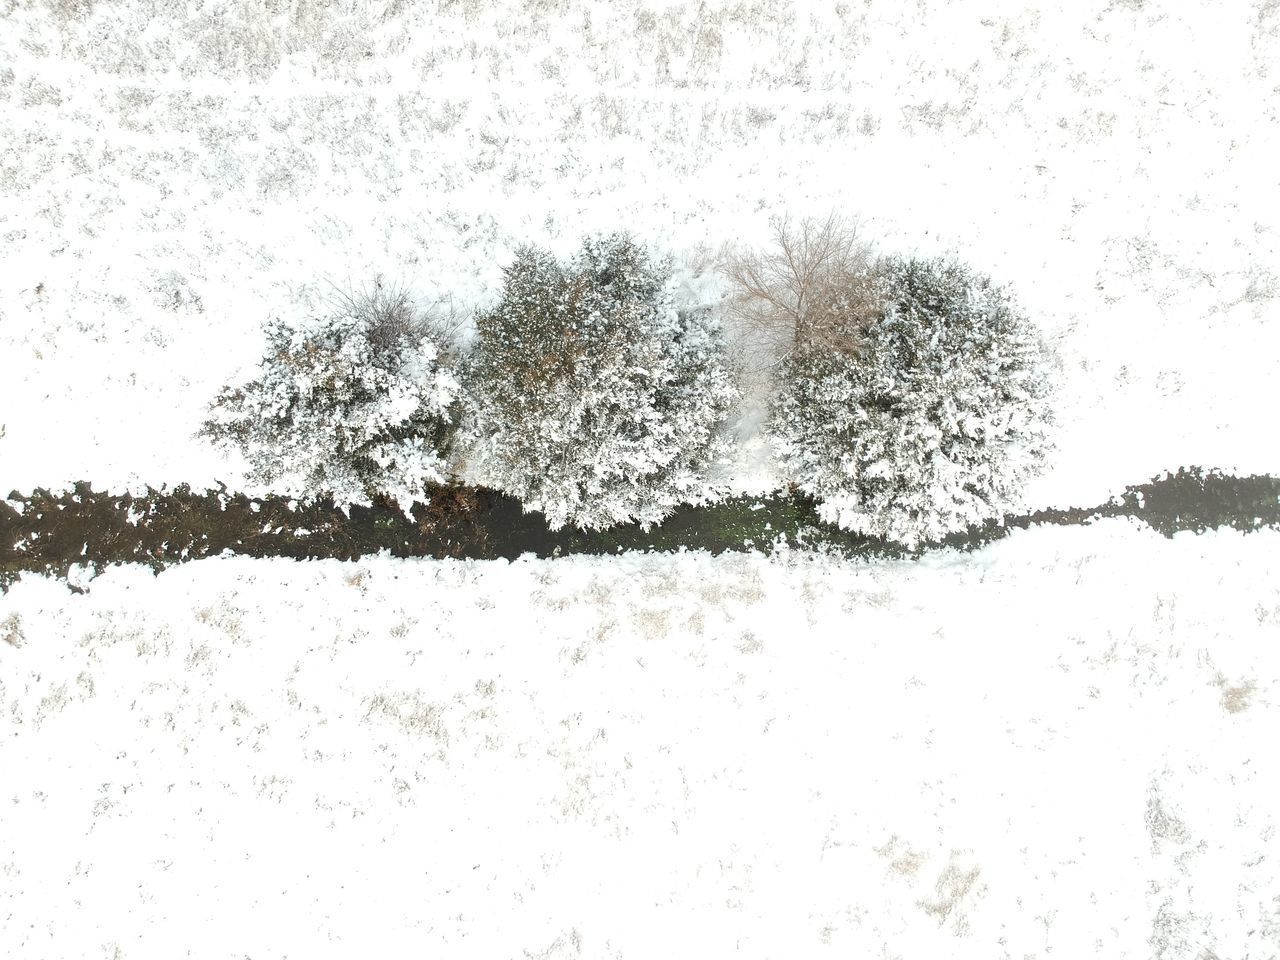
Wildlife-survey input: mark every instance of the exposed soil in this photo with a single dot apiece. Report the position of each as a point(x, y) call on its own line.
point(86, 530)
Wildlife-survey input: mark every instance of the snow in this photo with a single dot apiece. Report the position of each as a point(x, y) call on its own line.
point(1058, 746)
point(171, 178)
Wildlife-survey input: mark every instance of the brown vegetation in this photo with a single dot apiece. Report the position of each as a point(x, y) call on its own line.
point(393, 318)
point(813, 286)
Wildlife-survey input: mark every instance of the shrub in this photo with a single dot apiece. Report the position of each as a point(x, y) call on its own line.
point(930, 415)
point(596, 402)
point(356, 404)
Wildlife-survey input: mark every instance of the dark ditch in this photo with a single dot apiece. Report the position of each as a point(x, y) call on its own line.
point(53, 533)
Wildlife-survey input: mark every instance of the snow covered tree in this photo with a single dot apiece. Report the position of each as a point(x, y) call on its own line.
point(930, 418)
point(595, 400)
point(357, 404)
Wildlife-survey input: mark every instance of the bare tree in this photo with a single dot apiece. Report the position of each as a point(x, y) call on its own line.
point(813, 286)
point(393, 318)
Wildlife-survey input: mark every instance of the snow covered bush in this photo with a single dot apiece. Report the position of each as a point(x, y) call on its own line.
point(931, 415)
point(596, 401)
point(356, 404)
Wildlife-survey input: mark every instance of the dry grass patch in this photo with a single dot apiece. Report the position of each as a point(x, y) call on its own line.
point(415, 716)
point(11, 630)
point(953, 886)
point(902, 859)
point(1236, 698)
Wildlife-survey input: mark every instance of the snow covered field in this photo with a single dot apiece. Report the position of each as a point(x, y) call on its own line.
point(1062, 746)
point(172, 173)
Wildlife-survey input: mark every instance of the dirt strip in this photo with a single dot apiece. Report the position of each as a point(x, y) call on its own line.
point(75, 534)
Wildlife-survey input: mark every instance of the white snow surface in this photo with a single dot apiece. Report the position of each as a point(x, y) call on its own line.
point(1060, 746)
point(172, 174)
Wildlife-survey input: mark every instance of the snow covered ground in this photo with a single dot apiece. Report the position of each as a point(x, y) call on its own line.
point(172, 173)
point(1062, 746)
